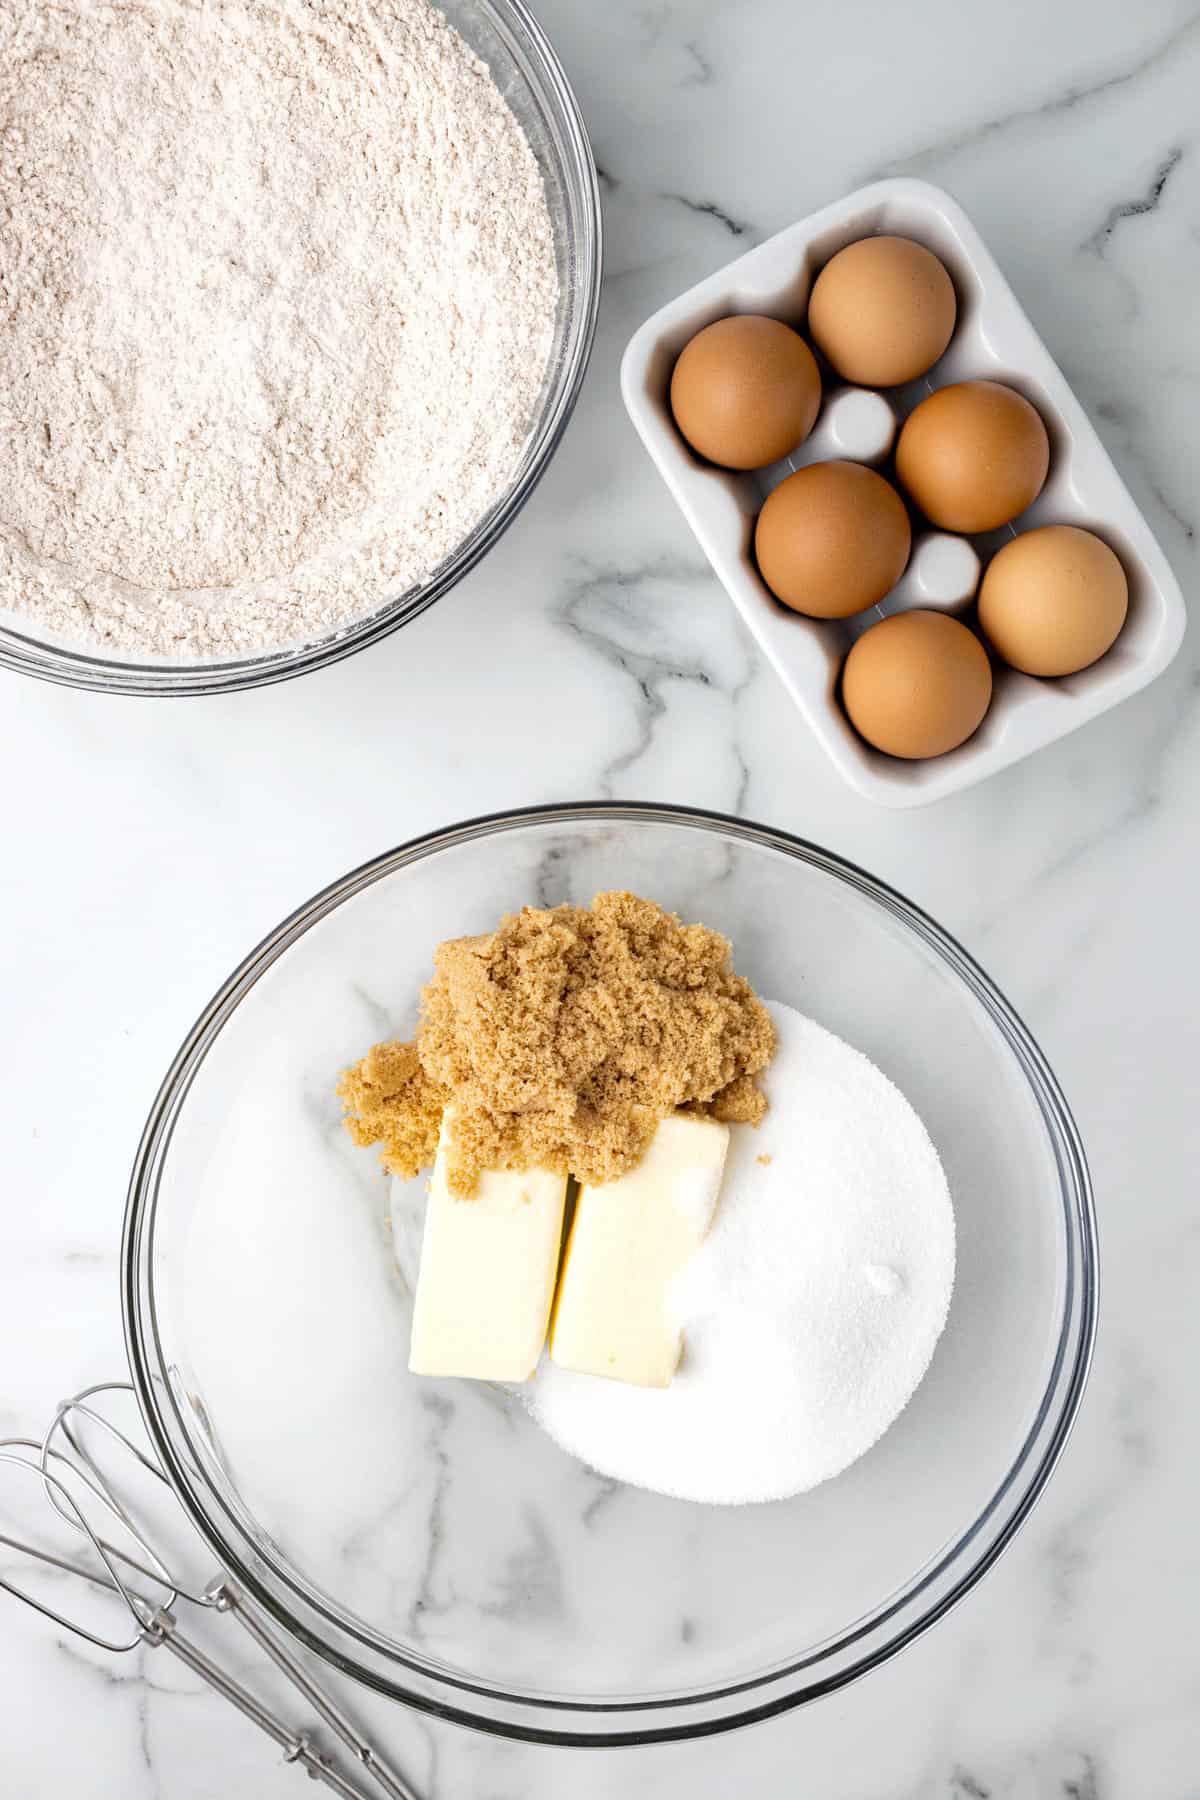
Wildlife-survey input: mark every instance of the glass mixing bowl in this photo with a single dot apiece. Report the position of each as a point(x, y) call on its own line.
point(528, 73)
point(427, 1536)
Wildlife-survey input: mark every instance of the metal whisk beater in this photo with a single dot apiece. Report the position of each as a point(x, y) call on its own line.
point(84, 1497)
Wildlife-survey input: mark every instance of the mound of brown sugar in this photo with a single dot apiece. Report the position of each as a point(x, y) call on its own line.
point(563, 1038)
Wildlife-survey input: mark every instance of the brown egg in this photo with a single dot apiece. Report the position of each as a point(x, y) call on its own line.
point(882, 311)
point(973, 456)
point(832, 539)
point(1053, 600)
point(745, 391)
point(917, 684)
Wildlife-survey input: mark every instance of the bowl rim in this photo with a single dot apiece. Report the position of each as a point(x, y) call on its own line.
point(66, 665)
point(419, 1682)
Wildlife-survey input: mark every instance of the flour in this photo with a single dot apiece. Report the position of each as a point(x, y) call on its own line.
point(277, 294)
point(810, 1312)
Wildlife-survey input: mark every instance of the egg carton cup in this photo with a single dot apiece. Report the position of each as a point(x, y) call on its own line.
point(993, 339)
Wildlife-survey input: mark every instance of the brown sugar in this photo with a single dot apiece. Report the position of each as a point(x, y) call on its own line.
point(564, 1037)
point(390, 1100)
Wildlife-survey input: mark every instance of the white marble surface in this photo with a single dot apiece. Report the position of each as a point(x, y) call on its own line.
point(151, 844)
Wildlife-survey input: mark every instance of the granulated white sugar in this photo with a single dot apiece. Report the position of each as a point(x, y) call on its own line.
point(277, 295)
point(810, 1313)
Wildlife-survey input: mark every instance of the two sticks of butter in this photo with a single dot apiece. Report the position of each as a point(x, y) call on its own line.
point(490, 1277)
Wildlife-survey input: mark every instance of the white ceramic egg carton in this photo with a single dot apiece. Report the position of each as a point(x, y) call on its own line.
point(993, 338)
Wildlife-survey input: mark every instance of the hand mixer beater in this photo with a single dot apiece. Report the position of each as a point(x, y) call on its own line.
point(120, 1565)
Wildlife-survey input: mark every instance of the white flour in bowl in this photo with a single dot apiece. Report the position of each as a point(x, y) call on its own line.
point(277, 293)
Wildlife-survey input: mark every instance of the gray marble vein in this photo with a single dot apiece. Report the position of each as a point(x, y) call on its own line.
point(644, 623)
point(708, 209)
point(1069, 97)
point(1136, 209)
point(657, 30)
point(440, 1414)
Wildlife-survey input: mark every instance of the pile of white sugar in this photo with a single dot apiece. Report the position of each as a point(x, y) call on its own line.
point(277, 296)
point(812, 1309)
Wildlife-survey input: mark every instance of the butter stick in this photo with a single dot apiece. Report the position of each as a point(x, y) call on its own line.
point(629, 1239)
point(486, 1282)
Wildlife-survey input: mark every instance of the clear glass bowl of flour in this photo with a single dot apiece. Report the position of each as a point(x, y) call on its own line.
point(526, 70)
point(428, 1535)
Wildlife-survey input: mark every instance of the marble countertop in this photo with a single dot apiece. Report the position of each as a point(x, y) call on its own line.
point(151, 844)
